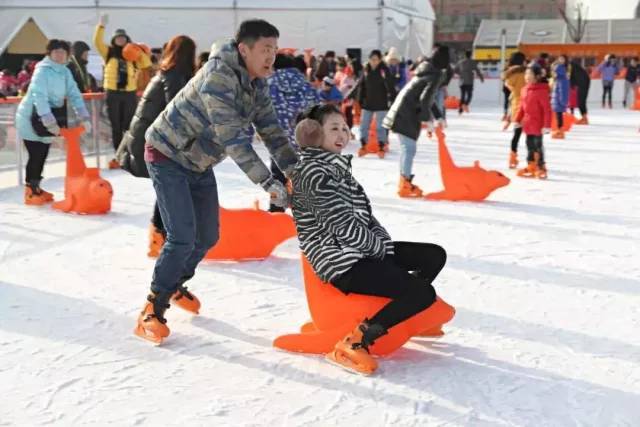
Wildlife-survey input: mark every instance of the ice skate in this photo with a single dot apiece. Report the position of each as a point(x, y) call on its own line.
point(529, 171)
point(407, 189)
point(152, 325)
point(352, 352)
point(156, 241)
point(513, 160)
point(184, 299)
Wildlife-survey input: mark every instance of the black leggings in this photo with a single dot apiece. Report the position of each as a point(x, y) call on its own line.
point(404, 277)
point(517, 132)
point(607, 87)
point(38, 152)
point(534, 145)
point(507, 93)
point(466, 92)
point(560, 119)
point(121, 106)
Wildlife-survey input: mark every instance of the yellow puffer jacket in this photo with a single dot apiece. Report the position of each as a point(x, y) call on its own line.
point(110, 80)
point(514, 80)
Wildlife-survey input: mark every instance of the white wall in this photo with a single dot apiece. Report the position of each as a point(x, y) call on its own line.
point(601, 9)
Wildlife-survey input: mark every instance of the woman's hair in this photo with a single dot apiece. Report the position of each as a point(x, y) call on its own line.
point(54, 44)
point(283, 61)
point(517, 58)
point(319, 113)
point(298, 62)
point(537, 70)
point(180, 54)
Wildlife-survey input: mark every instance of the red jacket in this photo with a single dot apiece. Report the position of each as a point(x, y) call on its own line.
point(535, 108)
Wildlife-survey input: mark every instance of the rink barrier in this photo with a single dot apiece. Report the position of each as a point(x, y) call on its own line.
point(12, 151)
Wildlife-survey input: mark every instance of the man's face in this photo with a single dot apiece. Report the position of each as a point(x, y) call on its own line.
point(260, 57)
point(374, 61)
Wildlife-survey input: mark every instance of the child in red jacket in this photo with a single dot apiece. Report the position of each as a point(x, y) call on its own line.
point(535, 118)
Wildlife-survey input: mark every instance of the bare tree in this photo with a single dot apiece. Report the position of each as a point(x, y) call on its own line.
point(577, 25)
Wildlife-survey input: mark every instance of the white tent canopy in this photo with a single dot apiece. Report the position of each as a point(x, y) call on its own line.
point(323, 25)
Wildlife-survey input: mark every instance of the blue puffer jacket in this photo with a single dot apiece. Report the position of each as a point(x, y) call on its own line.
point(560, 96)
point(50, 85)
point(291, 94)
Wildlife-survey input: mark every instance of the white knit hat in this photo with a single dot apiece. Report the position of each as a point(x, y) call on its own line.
point(393, 54)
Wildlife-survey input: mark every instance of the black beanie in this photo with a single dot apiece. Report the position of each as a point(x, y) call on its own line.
point(440, 58)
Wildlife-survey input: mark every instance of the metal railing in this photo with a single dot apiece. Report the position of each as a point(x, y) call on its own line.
point(12, 155)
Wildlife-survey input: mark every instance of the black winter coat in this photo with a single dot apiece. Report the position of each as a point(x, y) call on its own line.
point(159, 92)
point(579, 77)
point(376, 88)
point(415, 101)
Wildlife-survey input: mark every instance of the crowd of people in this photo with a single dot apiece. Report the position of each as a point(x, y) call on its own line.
point(197, 109)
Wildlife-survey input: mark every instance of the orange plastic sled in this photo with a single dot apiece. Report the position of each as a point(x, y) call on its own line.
point(452, 103)
point(250, 234)
point(464, 183)
point(568, 120)
point(334, 314)
point(85, 192)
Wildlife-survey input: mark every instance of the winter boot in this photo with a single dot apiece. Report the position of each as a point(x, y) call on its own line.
point(185, 299)
point(557, 134)
point(352, 352)
point(407, 189)
point(513, 160)
point(584, 120)
point(529, 171)
point(152, 325)
point(33, 194)
point(541, 173)
point(156, 241)
point(381, 153)
point(113, 164)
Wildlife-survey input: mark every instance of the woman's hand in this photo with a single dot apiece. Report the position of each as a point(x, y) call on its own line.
point(103, 19)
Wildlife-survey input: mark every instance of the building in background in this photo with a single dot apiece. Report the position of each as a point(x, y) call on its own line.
point(458, 20)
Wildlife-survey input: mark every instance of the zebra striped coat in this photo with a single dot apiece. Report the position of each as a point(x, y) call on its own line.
point(335, 225)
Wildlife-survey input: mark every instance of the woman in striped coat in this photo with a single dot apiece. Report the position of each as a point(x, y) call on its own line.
point(347, 246)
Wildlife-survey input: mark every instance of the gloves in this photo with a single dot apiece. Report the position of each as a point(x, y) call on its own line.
point(279, 194)
point(546, 131)
point(86, 124)
point(53, 129)
point(429, 126)
point(103, 20)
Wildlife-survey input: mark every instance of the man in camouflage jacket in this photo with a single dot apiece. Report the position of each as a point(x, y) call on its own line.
point(211, 118)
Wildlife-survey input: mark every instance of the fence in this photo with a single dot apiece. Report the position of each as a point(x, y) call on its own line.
point(12, 151)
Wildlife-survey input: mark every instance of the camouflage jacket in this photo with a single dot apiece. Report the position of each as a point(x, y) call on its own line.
point(212, 118)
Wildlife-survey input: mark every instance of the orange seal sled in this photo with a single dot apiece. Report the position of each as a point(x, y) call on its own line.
point(85, 192)
point(464, 183)
point(335, 314)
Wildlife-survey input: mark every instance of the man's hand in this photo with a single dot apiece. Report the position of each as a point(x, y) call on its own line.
point(278, 192)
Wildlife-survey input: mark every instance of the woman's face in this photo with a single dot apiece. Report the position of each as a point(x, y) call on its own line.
point(59, 56)
point(120, 41)
point(336, 134)
point(529, 77)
